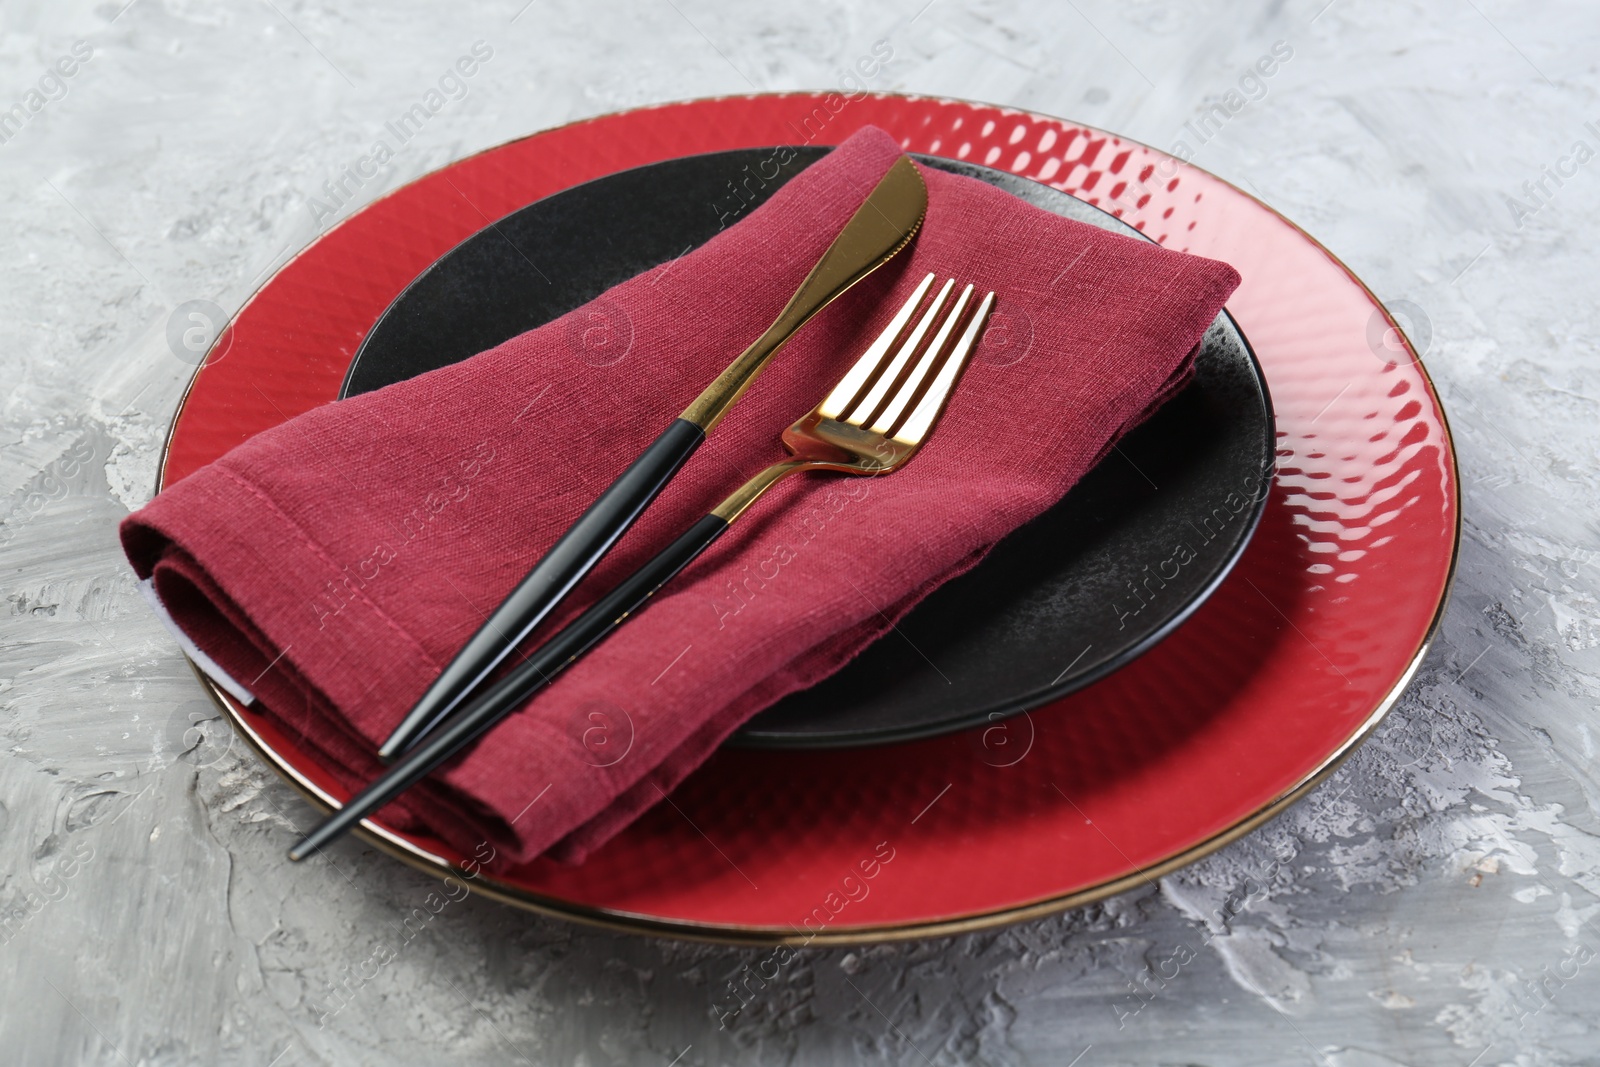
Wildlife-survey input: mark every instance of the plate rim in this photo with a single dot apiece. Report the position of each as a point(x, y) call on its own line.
point(620, 920)
point(770, 936)
point(1018, 704)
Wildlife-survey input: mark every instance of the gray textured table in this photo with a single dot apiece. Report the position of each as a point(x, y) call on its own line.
point(1438, 909)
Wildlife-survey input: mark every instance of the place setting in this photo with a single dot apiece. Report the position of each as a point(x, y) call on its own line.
point(657, 523)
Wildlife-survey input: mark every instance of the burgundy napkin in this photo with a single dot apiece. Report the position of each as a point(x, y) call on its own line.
point(333, 565)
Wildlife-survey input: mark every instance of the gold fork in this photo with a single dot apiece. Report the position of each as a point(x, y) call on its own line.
point(873, 422)
point(882, 410)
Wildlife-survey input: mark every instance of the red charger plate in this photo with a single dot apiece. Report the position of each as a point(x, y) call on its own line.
point(1244, 709)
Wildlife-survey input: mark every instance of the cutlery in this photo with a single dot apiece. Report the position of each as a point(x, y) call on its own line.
point(871, 423)
point(881, 227)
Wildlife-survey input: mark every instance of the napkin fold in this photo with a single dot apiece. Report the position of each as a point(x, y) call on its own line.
point(333, 565)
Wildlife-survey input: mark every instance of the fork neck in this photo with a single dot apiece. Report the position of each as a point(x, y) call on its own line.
point(751, 491)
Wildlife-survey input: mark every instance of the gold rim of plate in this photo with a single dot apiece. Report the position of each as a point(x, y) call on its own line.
point(632, 922)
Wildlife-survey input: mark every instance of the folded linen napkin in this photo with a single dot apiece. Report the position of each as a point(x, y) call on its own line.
point(334, 564)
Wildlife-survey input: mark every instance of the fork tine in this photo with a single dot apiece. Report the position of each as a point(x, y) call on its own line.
point(931, 356)
point(840, 400)
point(863, 410)
point(932, 404)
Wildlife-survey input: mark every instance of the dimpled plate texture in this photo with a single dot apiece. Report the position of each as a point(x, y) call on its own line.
point(1071, 597)
point(1287, 666)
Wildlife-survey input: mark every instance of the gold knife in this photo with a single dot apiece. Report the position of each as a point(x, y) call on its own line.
point(882, 226)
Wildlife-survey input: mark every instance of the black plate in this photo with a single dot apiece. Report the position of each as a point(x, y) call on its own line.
point(1066, 599)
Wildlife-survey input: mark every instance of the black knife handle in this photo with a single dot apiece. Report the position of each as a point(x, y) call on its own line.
point(523, 681)
point(568, 560)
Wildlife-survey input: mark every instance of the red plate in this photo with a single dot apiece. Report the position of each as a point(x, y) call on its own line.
point(1287, 667)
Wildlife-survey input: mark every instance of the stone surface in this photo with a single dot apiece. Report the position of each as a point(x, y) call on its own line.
point(1434, 904)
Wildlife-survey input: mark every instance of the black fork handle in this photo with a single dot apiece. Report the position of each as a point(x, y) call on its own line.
point(522, 682)
point(551, 579)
